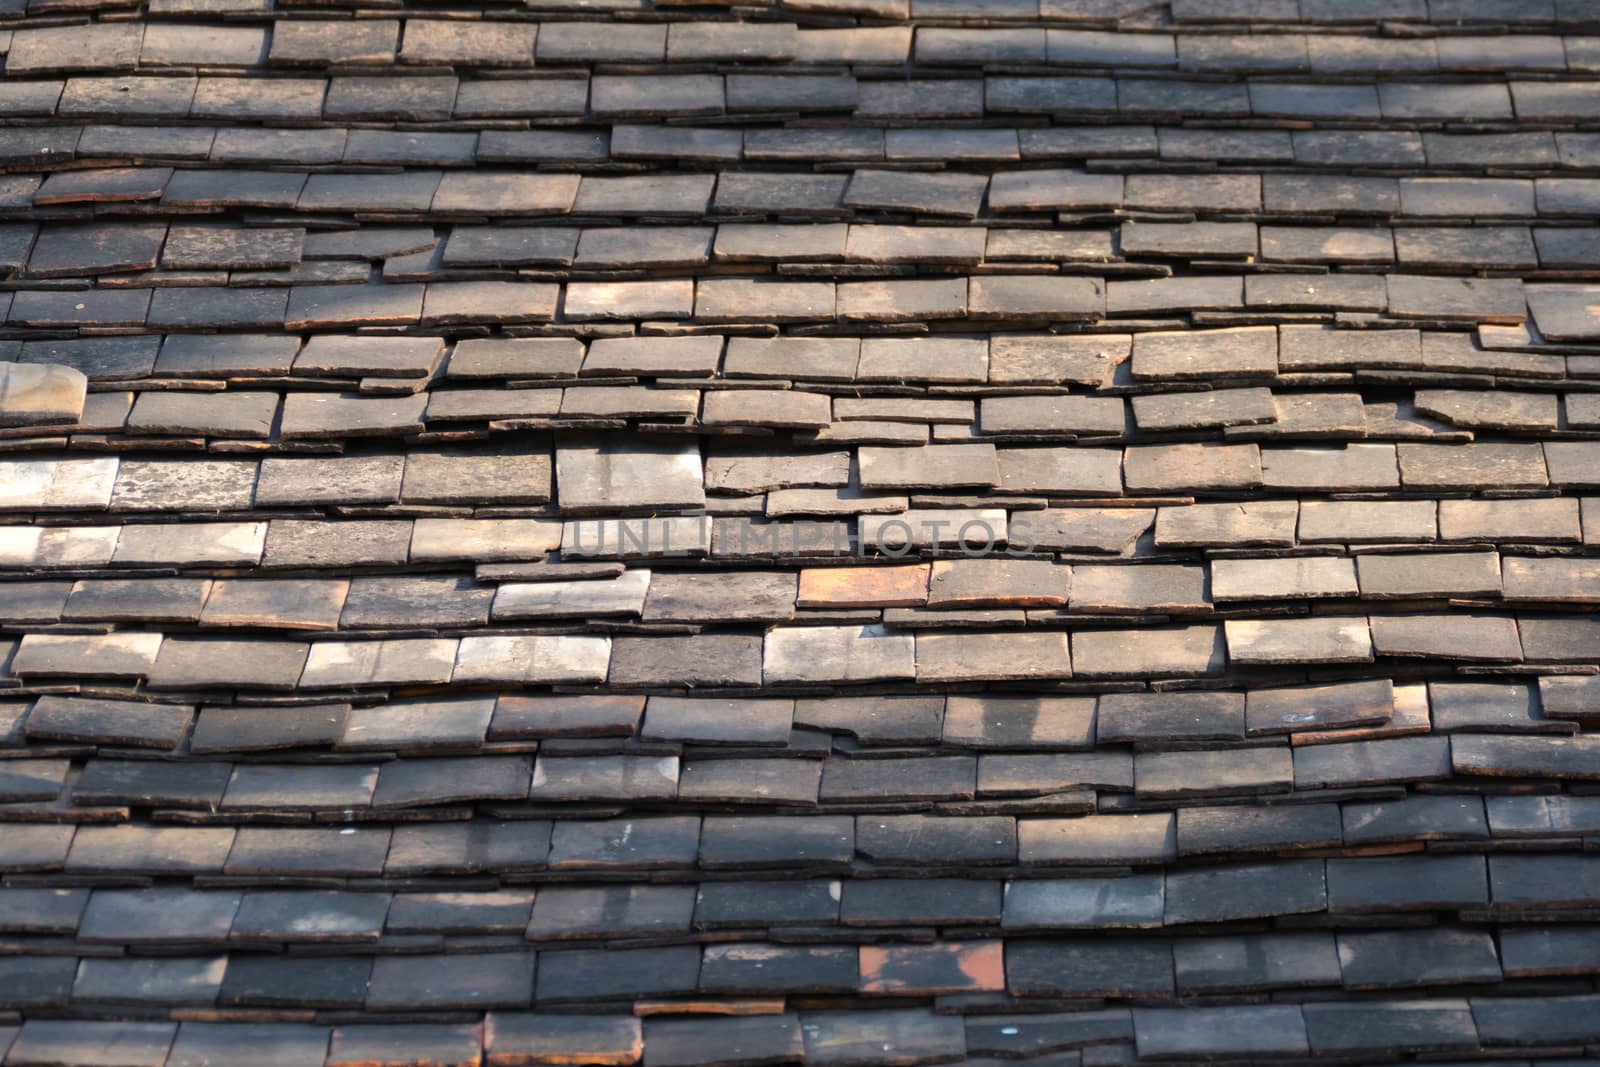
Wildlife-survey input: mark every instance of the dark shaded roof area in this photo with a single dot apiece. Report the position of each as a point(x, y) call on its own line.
point(488, 498)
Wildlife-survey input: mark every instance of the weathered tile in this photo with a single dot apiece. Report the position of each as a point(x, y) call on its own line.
point(1440, 1025)
point(324, 306)
point(1054, 774)
point(707, 659)
point(960, 657)
point(1273, 1030)
point(327, 42)
point(1053, 414)
point(842, 1037)
point(138, 1044)
point(1160, 775)
point(837, 653)
point(1195, 467)
point(201, 355)
point(297, 604)
point(389, 1044)
point(150, 849)
point(1332, 639)
point(1104, 530)
point(1078, 903)
point(1407, 883)
point(534, 658)
point(1418, 817)
point(1027, 358)
point(255, 1044)
point(688, 596)
point(188, 662)
point(1084, 967)
point(1457, 635)
point(996, 583)
point(1397, 959)
point(1098, 839)
point(1358, 522)
point(1294, 577)
point(874, 720)
point(1166, 589)
point(1402, 759)
point(590, 974)
point(1240, 830)
point(248, 729)
point(34, 394)
point(1255, 961)
point(510, 1038)
point(941, 967)
point(1018, 297)
point(1328, 707)
point(278, 981)
point(416, 661)
point(1174, 651)
point(1060, 472)
point(1418, 576)
point(602, 475)
point(1172, 716)
point(690, 1042)
point(488, 44)
point(928, 467)
point(298, 543)
point(117, 655)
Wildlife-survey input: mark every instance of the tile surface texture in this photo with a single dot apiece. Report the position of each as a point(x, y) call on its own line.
point(855, 532)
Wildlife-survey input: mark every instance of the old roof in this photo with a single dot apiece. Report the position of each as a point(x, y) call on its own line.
point(853, 532)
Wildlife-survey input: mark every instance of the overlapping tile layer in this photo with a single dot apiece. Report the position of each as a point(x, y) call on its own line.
point(850, 532)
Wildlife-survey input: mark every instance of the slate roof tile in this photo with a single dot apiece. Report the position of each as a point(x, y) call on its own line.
point(1255, 961)
point(1393, 959)
point(300, 1045)
point(840, 1037)
point(1181, 774)
point(686, 1041)
point(144, 1044)
point(1280, 641)
point(1272, 1030)
point(1083, 967)
point(509, 1036)
point(389, 1044)
point(1252, 830)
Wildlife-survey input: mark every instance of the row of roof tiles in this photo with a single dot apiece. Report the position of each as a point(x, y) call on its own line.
point(527, 847)
point(1242, 413)
point(300, 543)
point(785, 727)
point(1252, 412)
point(527, 850)
point(268, 256)
point(669, 475)
point(365, 919)
point(123, 46)
point(479, 193)
point(321, 146)
point(1145, 782)
point(1560, 312)
point(822, 654)
point(431, 97)
point(1454, 14)
point(953, 368)
point(1286, 1032)
point(508, 978)
point(710, 597)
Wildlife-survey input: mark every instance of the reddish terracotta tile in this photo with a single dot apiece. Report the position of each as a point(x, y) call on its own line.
point(954, 967)
point(883, 587)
